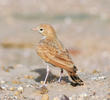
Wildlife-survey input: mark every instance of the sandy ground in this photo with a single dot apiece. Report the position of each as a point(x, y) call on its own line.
point(22, 71)
point(84, 29)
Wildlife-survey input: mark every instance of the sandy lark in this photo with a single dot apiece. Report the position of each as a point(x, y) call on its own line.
point(51, 50)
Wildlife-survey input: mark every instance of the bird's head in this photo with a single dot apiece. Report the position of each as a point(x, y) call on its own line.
point(46, 30)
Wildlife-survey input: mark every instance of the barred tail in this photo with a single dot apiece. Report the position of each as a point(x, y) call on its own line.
point(76, 79)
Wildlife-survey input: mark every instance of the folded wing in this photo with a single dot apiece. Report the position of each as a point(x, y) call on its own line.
point(57, 56)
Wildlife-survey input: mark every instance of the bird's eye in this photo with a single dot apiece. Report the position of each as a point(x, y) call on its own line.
point(41, 30)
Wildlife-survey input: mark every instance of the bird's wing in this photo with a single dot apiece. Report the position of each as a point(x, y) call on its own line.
point(56, 56)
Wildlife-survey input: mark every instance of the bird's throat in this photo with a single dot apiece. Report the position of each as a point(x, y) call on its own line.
point(44, 37)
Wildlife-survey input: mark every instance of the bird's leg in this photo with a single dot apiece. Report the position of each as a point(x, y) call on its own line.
point(61, 73)
point(44, 83)
point(46, 74)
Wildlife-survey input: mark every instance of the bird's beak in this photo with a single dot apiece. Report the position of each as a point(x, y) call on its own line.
point(34, 29)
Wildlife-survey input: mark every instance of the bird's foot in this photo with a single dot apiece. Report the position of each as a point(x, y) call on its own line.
point(42, 89)
point(42, 86)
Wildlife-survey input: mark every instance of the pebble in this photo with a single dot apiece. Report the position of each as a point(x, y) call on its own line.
point(56, 98)
point(98, 78)
point(83, 95)
point(64, 97)
point(2, 82)
point(42, 90)
point(9, 97)
point(20, 89)
point(5, 69)
point(4, 87)
point(29, 85)
point(45, 97)
point(95, 72)
point(16, 82)
point(42, 82)
point(12, 89)
point(17, 93)
point(29, 77)
point(70, 98)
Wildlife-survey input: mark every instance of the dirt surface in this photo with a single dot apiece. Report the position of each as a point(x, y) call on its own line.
point(84, 29)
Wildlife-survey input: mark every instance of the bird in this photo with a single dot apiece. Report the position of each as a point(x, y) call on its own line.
point(52, 51)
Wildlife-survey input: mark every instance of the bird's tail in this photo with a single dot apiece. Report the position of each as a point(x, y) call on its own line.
point(76, 79)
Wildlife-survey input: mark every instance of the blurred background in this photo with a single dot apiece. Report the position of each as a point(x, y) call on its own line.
point(82, 25)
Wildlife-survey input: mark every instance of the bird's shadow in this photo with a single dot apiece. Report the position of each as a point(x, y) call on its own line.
point(51, 77)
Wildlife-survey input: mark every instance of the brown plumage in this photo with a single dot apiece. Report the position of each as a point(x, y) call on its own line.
point(52, 51)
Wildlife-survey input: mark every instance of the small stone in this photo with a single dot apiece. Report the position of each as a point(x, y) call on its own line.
point(83, 95)
point(42, 90)
point(70, 98)
point(17, 93)
point(56, 98)
point(12, 89)
point(45, 97)
point(98, 78)
point(20, 89)
point(101, 77)
point(2, 82)
point(15, 98)
point(4, 87)
point(95, 72)
point(64, 97)
point(29, 85)
point(10, 67)
point(5, 69)
point(29, 77)
point(16, 82)
point(42, 82)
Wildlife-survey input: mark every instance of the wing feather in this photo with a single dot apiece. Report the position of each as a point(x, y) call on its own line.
point(57, 56)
